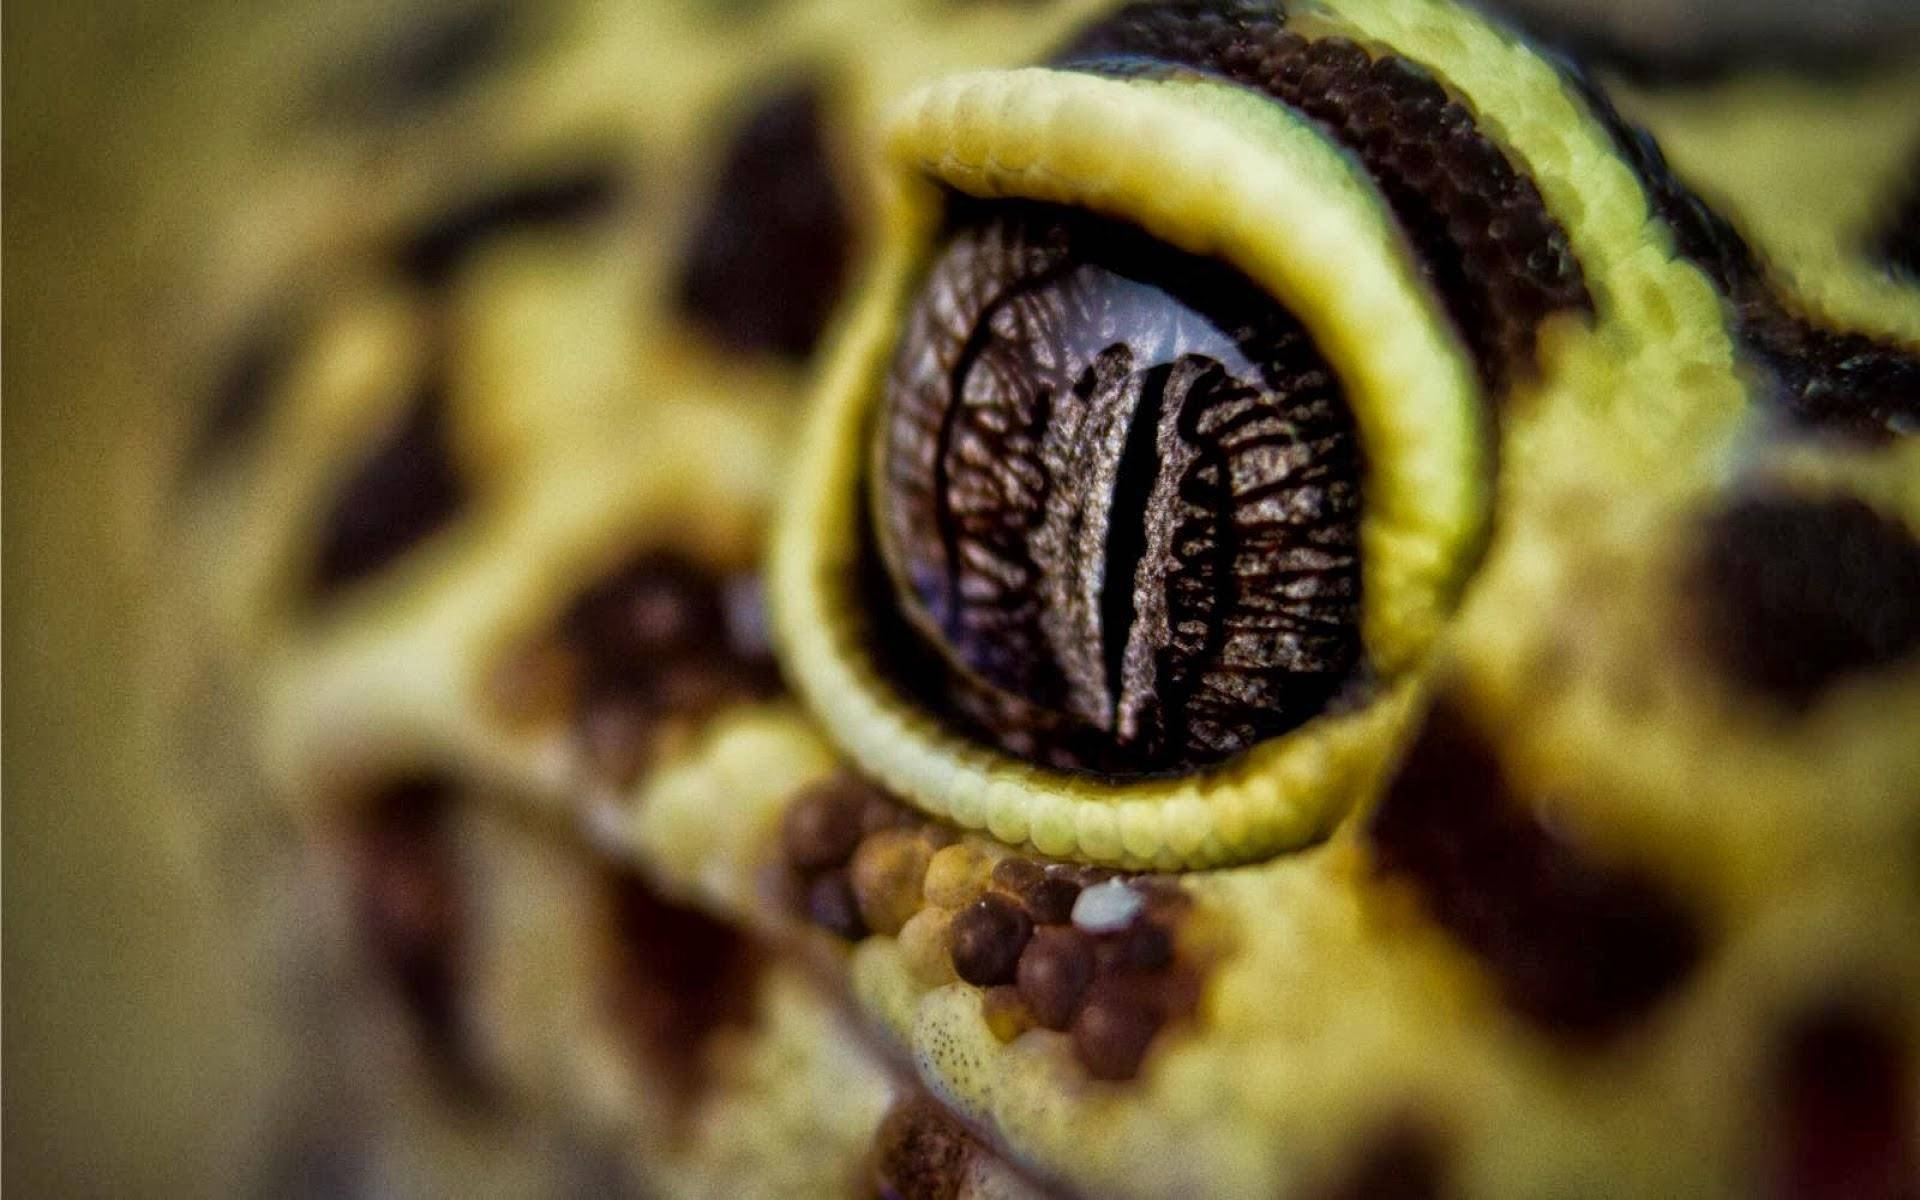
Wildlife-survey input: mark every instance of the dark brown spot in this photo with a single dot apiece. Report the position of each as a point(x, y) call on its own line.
point(680, 976)
point(832, 906)
point(822, 826)
point(878, 810)
point(1583, 947)
point(768, 258)
point(857, 859)
point(1798, 593)
point(1111, 992)
point(1050, 901)
point(1846, 1110)
point(1113, 1029)
point(655, 645)
point(656, 603)
point(1053, 975)
point(401, 494)
point(412, 913)
point(697, 687)
point(936, 835)
point(1166, 900)
point(988, 936)
point(1484, 236)
point(1404, 1164)
point(920, 1152)
point(433, 254)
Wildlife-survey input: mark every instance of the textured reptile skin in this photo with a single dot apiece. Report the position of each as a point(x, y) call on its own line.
point(545, 687)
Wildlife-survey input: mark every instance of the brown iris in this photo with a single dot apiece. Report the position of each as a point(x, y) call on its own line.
point(1116, 491)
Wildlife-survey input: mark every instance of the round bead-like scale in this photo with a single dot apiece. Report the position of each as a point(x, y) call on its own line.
point(988, 937)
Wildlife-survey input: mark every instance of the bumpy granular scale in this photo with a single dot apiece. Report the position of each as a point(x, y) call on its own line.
point(920, 1151)
point(887, 871)
point(1007, 926)
point(1053, 974)
point(1048, 894)
point(988, 937)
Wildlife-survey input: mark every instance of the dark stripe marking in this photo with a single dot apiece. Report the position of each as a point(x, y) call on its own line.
point(1481, 231)
point(1833, 380)
point(1583, 948)
point(433, 254)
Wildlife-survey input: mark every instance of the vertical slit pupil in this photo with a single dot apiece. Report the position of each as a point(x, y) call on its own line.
point(1126, 523)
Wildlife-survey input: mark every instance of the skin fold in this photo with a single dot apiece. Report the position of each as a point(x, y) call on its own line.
point(531, 649)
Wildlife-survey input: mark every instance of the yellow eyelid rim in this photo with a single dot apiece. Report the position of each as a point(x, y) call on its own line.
point(1213, 170)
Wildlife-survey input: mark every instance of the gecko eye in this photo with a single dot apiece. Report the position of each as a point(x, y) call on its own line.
point(1116, 490)
point(1139, 483)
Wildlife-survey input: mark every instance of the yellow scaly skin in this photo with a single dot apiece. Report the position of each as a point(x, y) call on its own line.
point(1530, 571)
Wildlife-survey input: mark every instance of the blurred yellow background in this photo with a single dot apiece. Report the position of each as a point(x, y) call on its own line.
point(123, 1054)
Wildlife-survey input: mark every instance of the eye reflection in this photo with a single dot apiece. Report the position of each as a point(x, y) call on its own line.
point(1116, 491)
